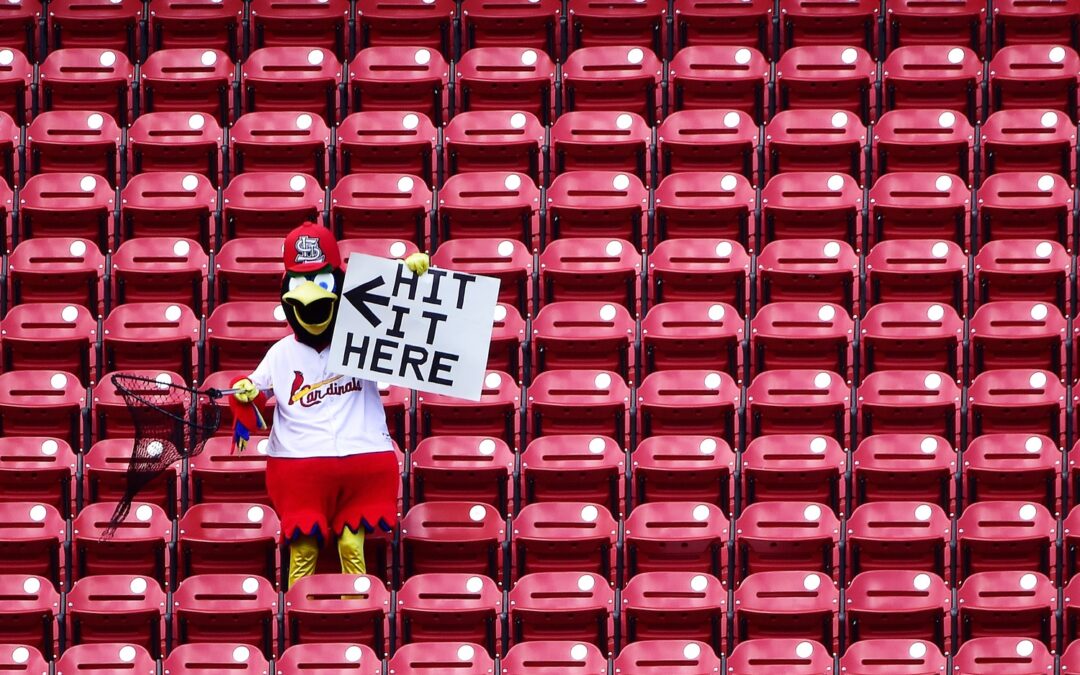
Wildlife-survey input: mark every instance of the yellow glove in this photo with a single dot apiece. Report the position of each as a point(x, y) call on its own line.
point(418, 263)
point(246, 391)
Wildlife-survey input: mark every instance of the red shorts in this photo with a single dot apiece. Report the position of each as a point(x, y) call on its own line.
point(324, 495)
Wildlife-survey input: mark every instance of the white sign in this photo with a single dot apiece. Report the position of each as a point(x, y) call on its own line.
point(429, 333)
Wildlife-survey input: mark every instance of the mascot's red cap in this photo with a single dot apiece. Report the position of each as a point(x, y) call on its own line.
point(309, 248)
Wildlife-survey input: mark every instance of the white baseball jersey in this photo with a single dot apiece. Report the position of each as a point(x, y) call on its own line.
point(319, 413)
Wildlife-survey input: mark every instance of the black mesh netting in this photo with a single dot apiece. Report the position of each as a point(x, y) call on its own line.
point(171, 422)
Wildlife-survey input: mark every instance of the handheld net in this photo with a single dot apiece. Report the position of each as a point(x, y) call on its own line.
point(171, 422)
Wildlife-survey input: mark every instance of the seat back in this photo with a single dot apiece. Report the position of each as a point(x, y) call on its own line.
point(798, 401)
point(568, 606)
point(786, 604)
point(899, 604)
point(892, 535)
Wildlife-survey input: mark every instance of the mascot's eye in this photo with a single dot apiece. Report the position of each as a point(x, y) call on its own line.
point(294, 282)
point(324, 281)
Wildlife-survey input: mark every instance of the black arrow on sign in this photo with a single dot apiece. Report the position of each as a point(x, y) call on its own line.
point(362, 295)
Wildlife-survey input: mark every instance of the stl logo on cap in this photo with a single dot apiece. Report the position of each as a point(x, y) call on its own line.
point(308, 250)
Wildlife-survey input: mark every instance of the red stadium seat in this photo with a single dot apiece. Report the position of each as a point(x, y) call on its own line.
point(139, 545)
point(190, 80)
point(552, 657)
point(910, 401)
point(228, 539)
point(1019, 269)
point(676, 537)
point(1006, 535)
point(504, 140)
point(986, 656)
point(602, 140)
point(280, 141)
point(774, 655)
point(1025, 205)
point(115, 25)
point(899, 536)
point(784, 604)
point(590, 268)
point(911, 336)
point(1034, 76)
point(376, 246)
point(486, 23)
point(701, 203)
point(1008, 604)
point(786, 335)
point(509, 260)
point(413, 24)
point(830, 77)
point(151, 334)
point(431, 658)
point(333, 658)
point(798, 401)
point(239, 333)
point(919, 205)
point(924, 140)
point(695, 401)
point(67, 205)
point(42, 402)
point(954, 22)
point(597, 204)
point(809, 270)
point(105, 467)
point(331, 607)
point(925, 270)
point(87, 78)
point(457, 537)
point(816, 140)
point(668, 657)
point(12, 167)
point(698, 22)
point(444, 607)
point(23, 659)
point(169, 204)
point(920, 77)
point(249, 269)
point(176, 24)
point(71, 141)
point(382, 205)
point(810, 22)
point(394, 78)
point(578, 402)
point(1017, 23)
point(679, 272)
point(683, 468)
point(38, 469)
point(106, 659)
point(585, 334)
point(811, 204)
point(1029, 140)
point(509, 334)
point(460, 468)
point(34, 542)
point(565, 606)
point(175, 141)
point(565, 537)
point(495, 414)
point(20, 27)
point(56, 269)
point(218, 474)
point(593, 24)
point(692, 334)
point(574, 468)
point(226, 608)
point(208, 658)
point(904, 467)
point(16, 76)
point(1017, 400)
point(50, 335)
point(789, 535)
point(160, 269)
point(506, 78)
point(899, 604)
point(29, 617)
point(1069, 543)
point(729, 77)
point(1070, 659)
point(690, 142)
point(1018, 334)
point(794, 467)
point(898, 656)
point(287, 78)
point(613, 77)
point(674, 606)
point(269, 204)
point(303, 24)
point(390, 142)
point(489, 204)
point(117, 608)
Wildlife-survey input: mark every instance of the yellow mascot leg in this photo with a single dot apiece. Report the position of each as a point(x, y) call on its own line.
point(351, 549)
point(303, 554)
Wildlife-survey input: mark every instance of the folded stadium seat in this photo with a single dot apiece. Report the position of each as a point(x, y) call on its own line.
point(51, 335)
point(11, 165)
point(19, 658)
point(935, 140)
point(455, 606)
point(218, 474)
point(1006, 535)
point(40, 402)
point(269, 203)
point(331, 607)
point(742, 24)
point(590, 268)
point(923, 76)
point(552, 657)
point(1025, 205)
point(602, 140)
point(1070, 658)
point(679, 272)
point(954, 22)
point(1019, 269)
point(34, 542)
point(382, 205)
point(459, 537)
point(831, 77)
point(238, 334)
point(804, 270)
point(226, 608)
point(228, 539)
point(697, 401)
point(378, 141)
point(573, 468)
point(920, 205)
point(413, 23)
point(74, 141)
point(1029, 140)
point(38, 469)
point(597, 204)
point(1018, 334)
point(170, 204)
point(106, 658)
point(331, 658)
point(291, 79)
point(692, 334)
point(924, 270)
point(1068, 571)
point(915, 335)
point(20, 27)
point(87, 78)
point(508, 260)
point(1017, 400)
point(677, 537)
point(57, 269)
point(910, 401)
point(1034, 76)
point(313, 23)
point(151, 334)
point(178, 24)
point(249, 269)
point(140, 544)
point(159, 269)
point(795, 467)
point(721, 77)
point(29, 617)
point(595, 24)
point(786, 535)
point(691, 146)
point(812, 204)
point(189, 80)
point(489, 204)
point(460, 468)
point(1017, 22)
point(105, 468)
point(816, 140)
point(495, 414)
point(208, 658)
point(674, 606)
point(506, 78)
point(1008, 604)
point(814, 22)
point(117, 608)
point(524, 23)
point(705, 204)
point(683, 468)
point(16, 76)
point(376, 246)
point(886, 656)
point(579, 402)
point(431, 658)
point(798, 401)
point(898, 536)
point(67, 205)
point(899, 604)
point(399, 77)
point(986, 656)
point(490, 140)
point(565, 537)
point(563, 606)
point(613, 77)
point(786, 604)
point(775, 655)
point(508, 351)
point(96, 23)
point(585, 334)
point(280, 141)
point(175, 142)
point(786, 335)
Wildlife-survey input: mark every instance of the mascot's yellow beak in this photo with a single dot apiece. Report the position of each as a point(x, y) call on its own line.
point(305, 299)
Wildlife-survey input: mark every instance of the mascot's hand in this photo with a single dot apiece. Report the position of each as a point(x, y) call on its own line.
point(246, 391)
point(418, 263)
